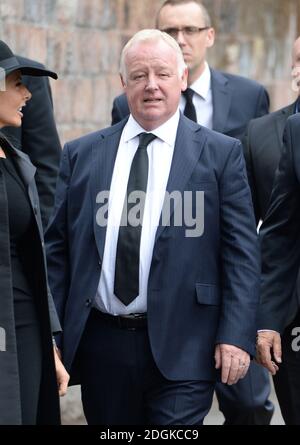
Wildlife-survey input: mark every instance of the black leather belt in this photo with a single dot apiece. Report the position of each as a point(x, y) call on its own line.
point(129, 322)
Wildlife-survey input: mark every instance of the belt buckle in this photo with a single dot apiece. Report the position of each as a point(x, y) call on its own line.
point(122, 320)
point(137, 315)
point(133, 315)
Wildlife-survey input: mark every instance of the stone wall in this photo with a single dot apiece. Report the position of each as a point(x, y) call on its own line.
point(82, 39)
point(254, 39)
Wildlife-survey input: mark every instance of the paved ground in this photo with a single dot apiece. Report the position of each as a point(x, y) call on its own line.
point(73, 415)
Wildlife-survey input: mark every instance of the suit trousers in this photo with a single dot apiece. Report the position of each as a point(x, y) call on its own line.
point(246, 402)
point(287, 379)
point(121, 384)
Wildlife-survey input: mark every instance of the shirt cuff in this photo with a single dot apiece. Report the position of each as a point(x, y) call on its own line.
point(266, 330)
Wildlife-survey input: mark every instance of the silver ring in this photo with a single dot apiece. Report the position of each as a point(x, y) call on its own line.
point(242, 365)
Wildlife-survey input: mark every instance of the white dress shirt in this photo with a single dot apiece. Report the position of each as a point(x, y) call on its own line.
point(202, 99)
point(160, 154)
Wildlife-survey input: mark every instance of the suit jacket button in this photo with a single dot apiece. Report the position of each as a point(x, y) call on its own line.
point(88, 302)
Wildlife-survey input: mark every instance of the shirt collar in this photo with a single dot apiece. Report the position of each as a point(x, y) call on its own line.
point(166, 132)
point(202, 85)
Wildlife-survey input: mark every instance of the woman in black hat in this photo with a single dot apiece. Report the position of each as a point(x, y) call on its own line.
point(31, 373)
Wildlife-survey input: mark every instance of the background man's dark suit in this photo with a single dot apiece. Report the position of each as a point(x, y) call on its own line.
point(279, 309)
point(236, 100)
point(262, 149)
point(208, 273)
point(38, 138)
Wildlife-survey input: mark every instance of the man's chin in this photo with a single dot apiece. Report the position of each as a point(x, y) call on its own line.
point(150, 121)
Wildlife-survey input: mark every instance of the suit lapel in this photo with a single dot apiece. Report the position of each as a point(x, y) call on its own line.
point(27, 172)
point(25, 167)
point(104, 154)
point(281, 119)
point(221, 98)
point(189, 144)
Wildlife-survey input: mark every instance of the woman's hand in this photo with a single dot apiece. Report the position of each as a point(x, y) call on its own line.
point(62, 376)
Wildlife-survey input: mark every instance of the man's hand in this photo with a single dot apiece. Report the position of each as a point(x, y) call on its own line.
point(267, 341)
point(233, 361)
point(62, 376)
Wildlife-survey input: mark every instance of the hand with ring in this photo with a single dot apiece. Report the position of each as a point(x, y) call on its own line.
point(233, 361)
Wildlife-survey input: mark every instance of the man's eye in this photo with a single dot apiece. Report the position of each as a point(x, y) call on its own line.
point(190, 30)
point(172, 31)
point(138, 76)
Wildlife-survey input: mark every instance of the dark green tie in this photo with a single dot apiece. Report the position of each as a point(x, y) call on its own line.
point(189, 110)
point(126, 286)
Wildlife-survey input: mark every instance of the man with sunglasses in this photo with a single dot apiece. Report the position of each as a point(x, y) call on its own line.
point(225, 103)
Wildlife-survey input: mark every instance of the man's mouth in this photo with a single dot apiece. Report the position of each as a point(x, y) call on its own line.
point(152, 100)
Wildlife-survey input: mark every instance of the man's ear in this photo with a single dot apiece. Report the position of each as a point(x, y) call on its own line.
point(184, 79)
point(210, 37)
point(122, 81)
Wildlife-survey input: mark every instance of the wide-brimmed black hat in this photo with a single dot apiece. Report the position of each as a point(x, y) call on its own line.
point(9, 63)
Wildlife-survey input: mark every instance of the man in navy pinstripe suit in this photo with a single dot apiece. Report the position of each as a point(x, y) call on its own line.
point(154, 359)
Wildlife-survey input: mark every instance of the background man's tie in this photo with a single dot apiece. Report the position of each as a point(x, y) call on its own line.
point(189, 110)
point(126, 286)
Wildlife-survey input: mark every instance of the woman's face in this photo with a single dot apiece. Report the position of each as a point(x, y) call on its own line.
point(12, 99)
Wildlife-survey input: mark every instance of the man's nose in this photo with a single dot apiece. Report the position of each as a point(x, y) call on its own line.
point(152, 82)
point(180, 38)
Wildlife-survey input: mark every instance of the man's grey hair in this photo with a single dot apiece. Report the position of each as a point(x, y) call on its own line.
point(151, 35)
point(204, 11)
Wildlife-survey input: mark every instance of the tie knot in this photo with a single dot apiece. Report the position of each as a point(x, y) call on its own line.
point(145, 139)
point(188, 94)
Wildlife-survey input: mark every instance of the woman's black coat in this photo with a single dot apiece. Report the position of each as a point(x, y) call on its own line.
point(10, 407)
